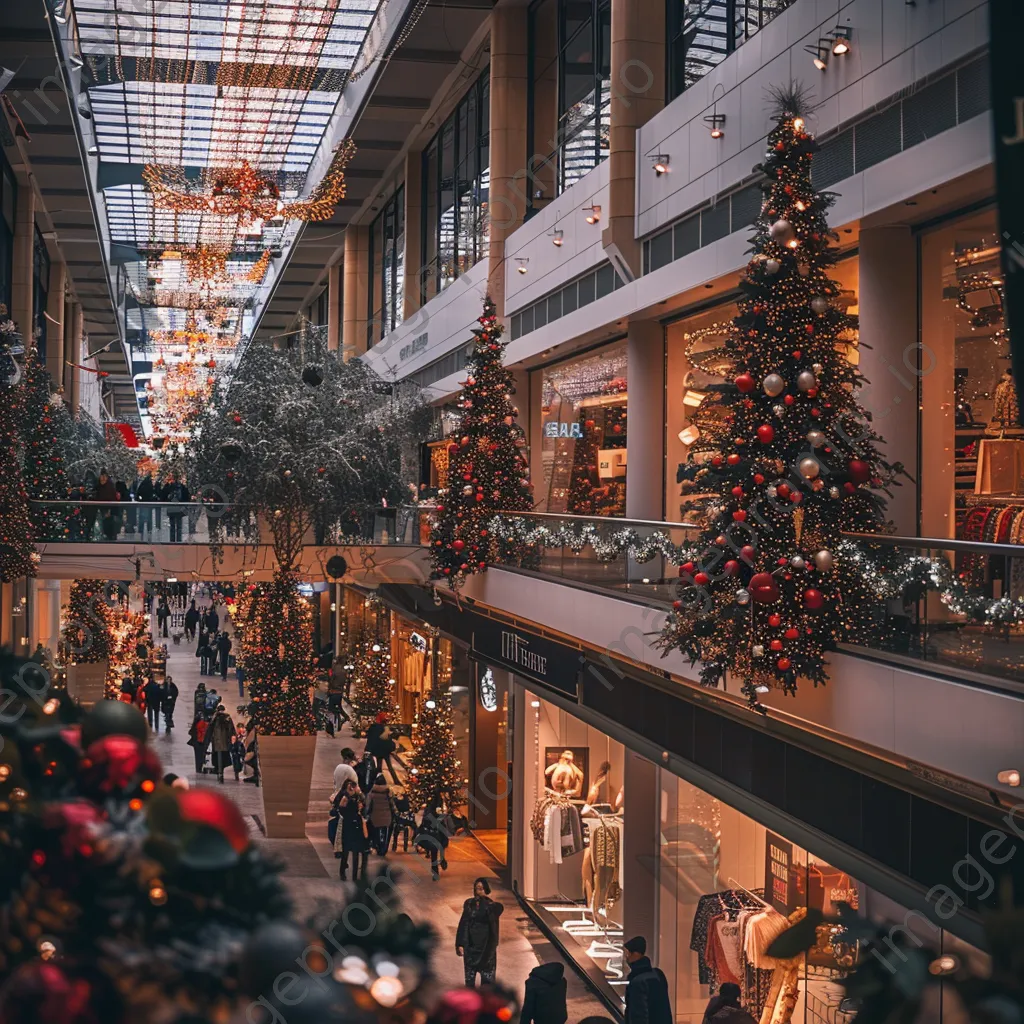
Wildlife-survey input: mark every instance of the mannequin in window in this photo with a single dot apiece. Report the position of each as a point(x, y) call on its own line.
point(565, 776)
point(597, 793)
point(1007, 408)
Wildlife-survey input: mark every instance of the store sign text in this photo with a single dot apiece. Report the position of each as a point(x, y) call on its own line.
point(563, 430)
point(488, 691)
point(517, 650)
point(414, 347)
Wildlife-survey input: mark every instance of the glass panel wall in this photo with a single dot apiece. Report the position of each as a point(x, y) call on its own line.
point(387, 269)
point(8, 194)
point(583, 434)
point(570, 94)
point(456, 184)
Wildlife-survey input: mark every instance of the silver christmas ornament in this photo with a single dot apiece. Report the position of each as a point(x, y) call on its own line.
point(815, 438)
point(817, 367)
point(771, 491)
point(742, 596)
point(757, 651)
point(833, 492)
point(773, 385)
point(806, 381)
point(773, 266)
point(467, 489)
point(824, 560)
point(797, 562)
point(782, 231)
point(809, 468)
point(819, 304)
point(779, 410)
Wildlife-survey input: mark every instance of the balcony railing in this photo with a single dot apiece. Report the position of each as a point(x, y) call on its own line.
point(136, 522)
point(949, 604)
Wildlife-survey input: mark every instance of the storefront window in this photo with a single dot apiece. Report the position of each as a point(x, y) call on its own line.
point(40, 292)
point(8, 193)
point(583, 434)
point(601, 830)
point(387, 269)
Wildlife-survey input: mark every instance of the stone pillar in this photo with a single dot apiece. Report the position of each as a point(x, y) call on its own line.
point(508, 137)
point(638, 92)
point(73, 381)
point(640, 850)
point(412, 268)
point(22, 283)
point(354, 292)
point(895, 362)
point(334, 308)
point(645, 435)
point(55, 320)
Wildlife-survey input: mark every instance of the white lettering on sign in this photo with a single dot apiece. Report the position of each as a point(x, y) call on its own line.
point(563, 430)
point(414, 347)
point(517, 650)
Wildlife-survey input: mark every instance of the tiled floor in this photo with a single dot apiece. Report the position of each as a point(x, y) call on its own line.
point(311, 870)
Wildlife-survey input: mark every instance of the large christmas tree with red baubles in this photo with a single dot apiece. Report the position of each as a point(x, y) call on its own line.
point(795, 462)
point(488, 471)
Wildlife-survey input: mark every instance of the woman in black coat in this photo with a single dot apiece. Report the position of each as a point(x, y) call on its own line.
point(544, 1002)
point(353, 834)
point(476, 941)
point(170, 699)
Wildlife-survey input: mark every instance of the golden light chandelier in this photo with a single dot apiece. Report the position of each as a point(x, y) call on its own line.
point(245, 193)
point(210, 263)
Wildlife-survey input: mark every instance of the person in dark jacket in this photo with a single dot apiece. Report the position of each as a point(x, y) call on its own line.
point(380, 814)
point(204, 652)
point(170, 699)
point(105, 490)
point(381, 745)
point(647, 999)
point(191, 621)
point(351, 836)
point(197, 740)
point(432, 838)
point(176, 494)
point(154, 703)
point(163, 613)
point(145, 493)
point(223, 650)
point(476, 941)
point(725, 1007)
point(544, 1002)
point(221, 733)
point(212, 620)
point(199, 702)
point(237, 750)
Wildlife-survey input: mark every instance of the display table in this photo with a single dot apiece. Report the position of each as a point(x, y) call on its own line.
point(1000, 466)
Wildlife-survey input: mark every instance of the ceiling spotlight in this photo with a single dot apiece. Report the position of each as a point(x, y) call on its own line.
point(593, 213)
point(522, 261)
point(557, 237)
point(661, 163)
point(820, 53)
point(841, 40)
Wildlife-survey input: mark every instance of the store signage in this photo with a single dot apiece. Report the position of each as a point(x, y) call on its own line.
point(414, 348)
point(778, 874)
point(488, 690)
point(1006, 23)
point(557, 429)
point(535, 657)
point(418, 642)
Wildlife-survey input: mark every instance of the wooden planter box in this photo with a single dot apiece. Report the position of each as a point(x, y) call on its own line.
point(87, 681)
point(286, 775)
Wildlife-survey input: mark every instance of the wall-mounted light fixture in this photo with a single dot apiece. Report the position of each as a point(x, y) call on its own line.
point(1009, 778)
point(841, 40)
point(593, 213)
point(660, 162)
point(522, 261)
point(557, 237)
point(716, 123)
point(820, 53)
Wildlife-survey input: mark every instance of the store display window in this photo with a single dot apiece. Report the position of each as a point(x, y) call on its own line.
point(583, 434)
point(724, 885)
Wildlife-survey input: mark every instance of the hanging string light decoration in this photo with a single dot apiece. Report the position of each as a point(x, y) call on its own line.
point(245, 193)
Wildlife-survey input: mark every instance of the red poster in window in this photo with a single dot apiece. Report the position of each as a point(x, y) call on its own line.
point(126, 431)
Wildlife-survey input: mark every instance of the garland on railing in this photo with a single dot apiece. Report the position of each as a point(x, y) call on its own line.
point(893, 581)
point(607, 547)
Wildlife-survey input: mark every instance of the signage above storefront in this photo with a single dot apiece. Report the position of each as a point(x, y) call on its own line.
point(534, 657)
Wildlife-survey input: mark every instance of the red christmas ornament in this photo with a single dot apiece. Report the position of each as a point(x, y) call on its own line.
point(740, 515)
point(783, 490)
point(850, 488)
point(686, 569)
point(859, 470)
point(758, 479)
point(677, 605)
point(733, 460)
point(617, 429)
point(813, 599)
point(716, 460)
point(208, 807)
point(792, 633)
point(766, 433)
point(731, 567)
point(117, 763)
point(745, 383)
point(747, 553)
point(789, 399)
point(763, 588)
point(776, 645)
point(737, 492)
point(458, 544)
point(783, 664)
point(774, 620)
point(701, 579)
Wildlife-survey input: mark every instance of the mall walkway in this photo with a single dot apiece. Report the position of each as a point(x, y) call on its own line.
point(311, 872)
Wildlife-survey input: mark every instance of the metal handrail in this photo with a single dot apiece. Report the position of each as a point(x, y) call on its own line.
point(973, 547)
point(604, 520)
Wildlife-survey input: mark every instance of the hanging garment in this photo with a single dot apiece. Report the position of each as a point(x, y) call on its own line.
point(723, 951)
point(762, 929)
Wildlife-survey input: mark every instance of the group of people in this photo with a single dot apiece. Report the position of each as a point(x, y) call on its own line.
point(151, 696)
point(214, 734)
point(119, 512)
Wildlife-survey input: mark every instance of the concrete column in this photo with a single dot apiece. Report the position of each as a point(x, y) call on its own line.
point(55, 321)
point(354, 292)
point(638, 93)
point(894, 364)
point(413, 233)
point(508, 137)
point(334, 308)
point(74, 357)
point(21, 276)
point(640, 850)
point(645, 435)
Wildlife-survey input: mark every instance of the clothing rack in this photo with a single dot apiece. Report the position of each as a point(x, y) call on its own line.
point(733, 884)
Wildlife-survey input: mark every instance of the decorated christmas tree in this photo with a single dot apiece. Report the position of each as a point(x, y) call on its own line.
point(373, 684)
point(435, 773)
point(47, 433)
point(796, 461)
point(17, 549)
point(86, 633)
point(487, 467)
point(277, 654)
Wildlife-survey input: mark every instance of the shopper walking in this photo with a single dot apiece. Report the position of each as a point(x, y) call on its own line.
point(199, 702)
point(146, 494)
point(544, 1001)
point(432, 840)
point(106, 490)
point(380, 813)
point(204, 652)
point(197, 740)
point(163, 613)
point(176, 494)
point(725, 1007)
point(366, 772)
point(170, 700)
point(345, 770)
point(212, 620)
point(237, 750)
point(647, 999)
point(223, 649)
point(191, 621)
point(476, 940)
point(154, 704)
point(381, 745)
point(352, 836)
point(221, 733)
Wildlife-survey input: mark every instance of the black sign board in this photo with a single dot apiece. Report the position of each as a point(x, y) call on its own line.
point(1006, 23)
point(779, 874)
point(529, 655)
